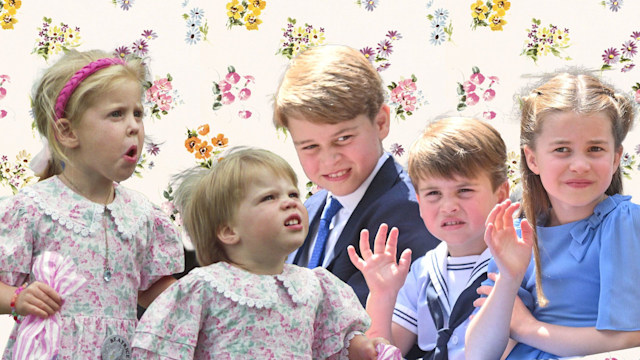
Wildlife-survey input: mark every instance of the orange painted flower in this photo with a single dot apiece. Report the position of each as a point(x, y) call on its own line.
point(220, 141)
point(191, 143)
point(203, 129)
point(203, 150)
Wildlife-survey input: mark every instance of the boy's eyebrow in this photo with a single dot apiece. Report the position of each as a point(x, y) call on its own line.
point(337, 133)
point(592, 141)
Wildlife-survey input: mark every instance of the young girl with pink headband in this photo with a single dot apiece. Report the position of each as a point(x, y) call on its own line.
point(77, 250)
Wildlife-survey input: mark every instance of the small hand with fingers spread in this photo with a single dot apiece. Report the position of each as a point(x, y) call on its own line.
point(511, 254)
point(38, 299)
point(380, 269)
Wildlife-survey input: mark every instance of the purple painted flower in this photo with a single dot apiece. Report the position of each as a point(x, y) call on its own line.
point(244, 94)
point(394, 35)
point(627, 67)
point(477, 78)
point(370, 4)
point(489, 94)
point(244, 114)
point(638, 146)
point(383, 67)
point(472, 99)
point(153, 148)
point(228, 98)
point(368, 53)
point(384, 48)
point(125, 4)
point(610, 56)
point(629, 48)
point(232, 77)
point(489, 115)
point(121, 52)
point(614, 5)
point(636, 35)
point(149, 34)
point(397, 149)
point(140, 47)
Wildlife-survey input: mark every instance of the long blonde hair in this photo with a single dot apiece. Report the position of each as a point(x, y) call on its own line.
point(565, 92)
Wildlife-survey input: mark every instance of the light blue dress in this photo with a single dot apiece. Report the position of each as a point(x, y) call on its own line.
point(590, 272)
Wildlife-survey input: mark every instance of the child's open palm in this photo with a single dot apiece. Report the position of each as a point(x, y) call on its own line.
point(380, 269)
point(511, 254)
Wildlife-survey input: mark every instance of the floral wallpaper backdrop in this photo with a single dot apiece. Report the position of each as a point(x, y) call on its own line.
point(215, 66)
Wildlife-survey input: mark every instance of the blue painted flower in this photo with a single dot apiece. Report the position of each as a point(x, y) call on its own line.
point(437, 36)
point(193, 36)
point(442, 14)
point(437, 23)
point(197, 13)
point(370, 4)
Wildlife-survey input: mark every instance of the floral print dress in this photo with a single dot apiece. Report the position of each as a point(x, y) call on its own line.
point(223, 312)
point(143, 246)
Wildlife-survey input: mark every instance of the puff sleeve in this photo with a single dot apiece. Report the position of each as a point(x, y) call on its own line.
point(17, 237)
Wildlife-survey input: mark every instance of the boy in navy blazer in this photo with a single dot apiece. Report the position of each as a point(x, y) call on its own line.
point(331, 101)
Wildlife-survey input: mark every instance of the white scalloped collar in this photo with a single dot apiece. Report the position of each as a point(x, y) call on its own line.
point(128, 210)
point(259, 291)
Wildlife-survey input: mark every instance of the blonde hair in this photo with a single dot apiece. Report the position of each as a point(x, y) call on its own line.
point(47, 90)
point(565, 92)
point(459, 146)
point(209, 198)
point(328, 84)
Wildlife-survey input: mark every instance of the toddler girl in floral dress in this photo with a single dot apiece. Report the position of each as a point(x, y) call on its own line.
point(244, 217)
point(77, 250)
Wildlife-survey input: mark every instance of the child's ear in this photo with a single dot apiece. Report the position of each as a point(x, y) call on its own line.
point(530, 158)
point(65, 134)
point(382, 121)
point(503, 191)
point(228, 235)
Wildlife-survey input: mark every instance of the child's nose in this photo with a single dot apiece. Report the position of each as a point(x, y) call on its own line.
point(330, 156)
point(449, 205)
point(134, 126)
point(579, 164)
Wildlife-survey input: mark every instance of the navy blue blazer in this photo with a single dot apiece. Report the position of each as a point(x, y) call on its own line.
point(389, 199)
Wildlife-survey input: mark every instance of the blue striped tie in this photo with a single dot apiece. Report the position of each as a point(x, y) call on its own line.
point(323, 233)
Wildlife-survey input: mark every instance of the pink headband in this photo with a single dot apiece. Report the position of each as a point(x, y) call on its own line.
point(77, 78)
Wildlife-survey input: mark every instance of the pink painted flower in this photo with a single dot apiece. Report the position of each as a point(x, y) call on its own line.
point(477, 78)
point(163, 85)
point(489, 94)
point(489, 115)
point(468, 86)
point(3, 113)
point(228, 98)
point(152, 93)
point(407, 85)
point(250, 79)
point(164, 102)
point(409, 102)
point(494, 80)
point(472, 99)
point(396, 95)
point(244, 114)
point(232, 77)
point(224, 86)
point(244, 94)
point(638, 96)
point(3, 93)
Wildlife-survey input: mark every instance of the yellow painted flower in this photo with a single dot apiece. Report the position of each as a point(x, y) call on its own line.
point(256, 6)
point(478, 10)
point(299, 34)
point(543, 49)
point(544, 33)
point(54, 48)
point(54, 32)
point(72, 35)
point(23, 158)
point(316, 37)
point(235, 9)
point(561, 38)
point(503, 5)
point(296, 49)
point(496, 22)
point(8, 21)
point(13, 3)
point(10, 9)
point(251, 21)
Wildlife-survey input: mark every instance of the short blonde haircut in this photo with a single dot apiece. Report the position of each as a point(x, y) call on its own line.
point(208, 199)
point(48, 88)
point(328, 84)
point(565, 92)
point(459, 147)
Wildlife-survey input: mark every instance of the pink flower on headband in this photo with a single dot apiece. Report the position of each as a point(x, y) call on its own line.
point(77, 78)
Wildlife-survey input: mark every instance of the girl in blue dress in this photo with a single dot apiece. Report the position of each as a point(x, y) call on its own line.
point(579, 294)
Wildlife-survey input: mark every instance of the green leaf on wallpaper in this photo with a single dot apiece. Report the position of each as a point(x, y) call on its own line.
point(461, 106)
point(169, 77)
point(475, 69)
point(606, 67)
point(231, 69)
point(460, 89)
point(185, 16)
point(414, 78)
point(47, 20)
point(624, 59)
point(536, 21)
point(216, 105)
point(292, 21)
point(216, 88)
